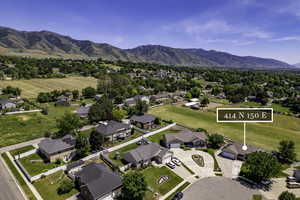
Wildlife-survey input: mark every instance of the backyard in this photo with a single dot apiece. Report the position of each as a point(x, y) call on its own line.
point(121, 152)
point(47, 186)
point(34, 164)
point(264, 135)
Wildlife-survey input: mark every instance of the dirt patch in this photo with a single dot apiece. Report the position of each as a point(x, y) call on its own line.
point(24, 118)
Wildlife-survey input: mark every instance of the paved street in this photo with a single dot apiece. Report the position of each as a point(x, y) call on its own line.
point(8, 188)
point(217, 188)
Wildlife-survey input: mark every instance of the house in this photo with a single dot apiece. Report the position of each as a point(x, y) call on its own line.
point(98, 97)
point(53, 149)
point(63, 100)
point(190, 104)
point(297, 175)
point(194, 100)
point(132, 101)
point(234, 151)
point(97, 182)
point(145, 154)
point(145, 121)
point(6, 104)
point(114, 130)
point(83, 111)
point(161, 97)
point(187, 138)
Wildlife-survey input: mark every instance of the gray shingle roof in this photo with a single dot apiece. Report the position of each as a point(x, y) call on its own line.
point(53, 146)
point(99, 180)
point(236, 148)
point(144, 152)
point(145, 118)
point(185, 137)
point(111, 127)
point(84, 110)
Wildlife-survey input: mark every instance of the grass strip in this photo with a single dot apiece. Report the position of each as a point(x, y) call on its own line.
point(186, 167)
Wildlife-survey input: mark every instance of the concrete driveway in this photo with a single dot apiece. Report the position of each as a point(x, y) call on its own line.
point(186, 158)
point(230, 168)
point(217, 188)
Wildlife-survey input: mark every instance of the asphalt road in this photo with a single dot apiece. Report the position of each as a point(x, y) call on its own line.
point(8, 188)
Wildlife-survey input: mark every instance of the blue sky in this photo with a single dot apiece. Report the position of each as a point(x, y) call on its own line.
point(265, 28)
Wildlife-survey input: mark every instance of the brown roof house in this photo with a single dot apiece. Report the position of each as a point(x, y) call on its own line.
point(97, 182)
point(63, 148)
point(187, 138)
point(234, 151)
point(145, 121)
point(145, 154)
point(114, 130)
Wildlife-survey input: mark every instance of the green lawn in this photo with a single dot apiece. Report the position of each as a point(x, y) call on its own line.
point(18, 177)
point(264, 135)
point(180, 189)
point(47, 186)
point(257, 197)
point(21, 150)
point(35, 168)
point(153, 174)
point(133, 136)
point(159, 136)
point(121, 151)
point(23, 127)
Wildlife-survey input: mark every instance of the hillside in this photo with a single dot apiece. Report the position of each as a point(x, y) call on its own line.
point(297, 65)
point(47, 43)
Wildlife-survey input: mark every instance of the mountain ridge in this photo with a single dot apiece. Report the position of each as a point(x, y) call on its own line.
point(51, 43)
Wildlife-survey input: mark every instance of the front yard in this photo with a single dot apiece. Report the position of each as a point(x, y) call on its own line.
point(34, 164)
point(152, 176)
point(47, 186)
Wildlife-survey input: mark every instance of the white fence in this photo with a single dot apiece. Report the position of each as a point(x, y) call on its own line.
point(27, 153)
point(51, 171)
point(20, 112)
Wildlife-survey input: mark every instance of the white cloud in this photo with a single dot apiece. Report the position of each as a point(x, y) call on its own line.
point(258, 34)
point(287, 38)
point(212, 26)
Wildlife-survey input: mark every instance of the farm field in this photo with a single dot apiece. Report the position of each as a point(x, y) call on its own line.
point(23, 127)
point(264, 135)
point(31, 88)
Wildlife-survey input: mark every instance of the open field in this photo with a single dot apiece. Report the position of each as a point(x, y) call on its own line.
point(23, 127)
point(48, 186)
point(31, 88)
point(264, 135)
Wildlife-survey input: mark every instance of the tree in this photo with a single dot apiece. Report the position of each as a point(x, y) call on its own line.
point(286, 152)
point(89, 92)
point(43, 97)
point(157, 121)
point(119, 114)
point(204, 101)
point(65, 187)
point(134, 186)
point(96, 140)
point(102, 110)
point(82, 146)
point(215, 141)
point(287, 196)
point(141, 107)
point(68, 124)
point(188, 95)
point(75, 94)
point(260, 166)
point(195, 92)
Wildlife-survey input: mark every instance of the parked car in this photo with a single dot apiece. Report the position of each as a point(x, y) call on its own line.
point(176, 161)
point(171, 165)
point(142, 142)
point(290, 179)
point(178, 196)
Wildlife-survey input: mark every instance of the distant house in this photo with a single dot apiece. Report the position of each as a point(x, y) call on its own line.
point(83, 111)
point(145, 121)
point(97, 182)
point(161, 97)
point(194, 100)
point(98, 97)
point(63, 148)
point(190, 104)
point(63, 100)
point(188, 138)
point(6, 104)
point(145, 154)
point(234, 151)
point(132, 101)
point(114, 130)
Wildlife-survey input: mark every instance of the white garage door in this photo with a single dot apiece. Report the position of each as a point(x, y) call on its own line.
point(109, 197)
point(176, 145)
point(228, 155)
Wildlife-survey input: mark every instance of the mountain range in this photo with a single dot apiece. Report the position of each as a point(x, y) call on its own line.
point(53, 44)
point(297, 65)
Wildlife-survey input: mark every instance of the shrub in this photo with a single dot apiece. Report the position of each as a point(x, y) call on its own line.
point(65, 187)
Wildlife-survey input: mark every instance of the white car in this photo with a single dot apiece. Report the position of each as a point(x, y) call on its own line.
point(171, 165)
point(176, 161)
